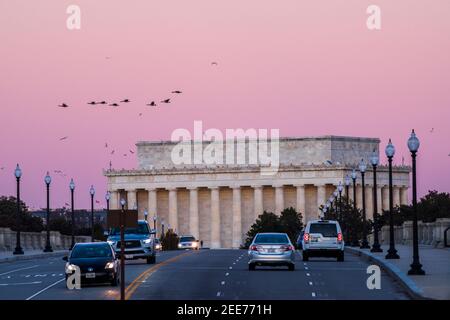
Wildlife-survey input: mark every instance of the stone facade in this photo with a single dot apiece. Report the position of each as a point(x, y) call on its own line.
point(219, 203)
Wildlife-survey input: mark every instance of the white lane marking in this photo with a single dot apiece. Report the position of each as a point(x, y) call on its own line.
point(227, 274)
point(234, 262)
point(306, 268)
point(20, 283)
point(46, 288)
point(310, 283)
point(307, 274)
point(222, 283)
point(28, 275)
point(40, 275)
point(230, 268)
point(2, 274)
point(313, 294)
point(218, 294)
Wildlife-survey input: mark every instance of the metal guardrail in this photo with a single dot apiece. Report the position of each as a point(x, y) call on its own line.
point(446, 238)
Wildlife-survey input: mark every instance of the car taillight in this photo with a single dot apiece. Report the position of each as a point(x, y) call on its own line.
point(306, 237)
point(287, 248)
point(253, 248)
point(339, 237)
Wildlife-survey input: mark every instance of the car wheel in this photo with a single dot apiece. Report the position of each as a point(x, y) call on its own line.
point(291, 267)
point(151, 260)
point(340, 257)
point(251, 267)
point(305, 256)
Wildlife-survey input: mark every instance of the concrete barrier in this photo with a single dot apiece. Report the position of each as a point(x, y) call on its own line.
point(37, 240)
point(430, 233)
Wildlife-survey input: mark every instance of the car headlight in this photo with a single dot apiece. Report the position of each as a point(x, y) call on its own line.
point(194, 244)
point(109, 265)
point(70, 268)
point(179, 245)
point(147, 241)
point(111, 243)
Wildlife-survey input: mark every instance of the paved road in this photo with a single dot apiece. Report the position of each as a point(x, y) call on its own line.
point(205, 274)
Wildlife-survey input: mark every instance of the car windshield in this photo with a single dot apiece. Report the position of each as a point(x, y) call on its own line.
point(91, 251)
point(142, 228)
point(271, 238)
point(326, 229)
point(187, 239)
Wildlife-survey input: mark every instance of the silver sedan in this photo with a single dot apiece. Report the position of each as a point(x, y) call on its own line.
point(271, 249)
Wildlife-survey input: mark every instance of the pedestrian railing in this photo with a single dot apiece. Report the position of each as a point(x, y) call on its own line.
point(446, 244)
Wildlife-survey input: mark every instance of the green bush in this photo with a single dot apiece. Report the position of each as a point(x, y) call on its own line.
point(289, 221)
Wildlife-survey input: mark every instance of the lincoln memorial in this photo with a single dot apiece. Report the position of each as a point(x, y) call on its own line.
point(219, 203)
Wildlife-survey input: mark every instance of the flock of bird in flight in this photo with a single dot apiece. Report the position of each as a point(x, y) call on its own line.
point(115, 104)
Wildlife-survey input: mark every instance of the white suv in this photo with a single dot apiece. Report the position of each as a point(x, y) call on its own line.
point(323, 238)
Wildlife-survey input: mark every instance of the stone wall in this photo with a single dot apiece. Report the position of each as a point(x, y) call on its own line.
point(430, 233)
point(292, 151)
point(36, 240)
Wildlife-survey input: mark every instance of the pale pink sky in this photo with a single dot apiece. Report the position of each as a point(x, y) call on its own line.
point(305, 67)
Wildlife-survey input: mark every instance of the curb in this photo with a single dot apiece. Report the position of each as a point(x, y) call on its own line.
point(34, 256)
point(392, 270)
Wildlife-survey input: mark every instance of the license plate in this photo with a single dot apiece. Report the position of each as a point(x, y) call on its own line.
point(271, 250)
point(90, 275)
point(128, 256)
point(315, 240)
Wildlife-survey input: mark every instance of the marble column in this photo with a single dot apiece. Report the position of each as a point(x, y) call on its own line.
point(396, 196)
point(173, 209)
point(131, 199)
point(114, 200)
point(258, 201)
point(385, 200)
point(215, 218)
point(301, 202)
point(359, 196)
point(379, 200)
point(193, 213)
point(152, 207)
point(404, 196)
point(237, 218)
point(369, 202)
point(279, 199)
point(321, 200)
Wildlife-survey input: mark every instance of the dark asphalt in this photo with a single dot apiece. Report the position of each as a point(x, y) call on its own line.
point(205, 274)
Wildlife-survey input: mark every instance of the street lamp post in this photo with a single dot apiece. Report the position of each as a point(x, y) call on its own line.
point(347, 188)
point(154, 223)
point(107, 198)
point(362, 169)
point(92, 192)
point(336, 200)
point(18, 174)
point(48, 246)
point(392, 252)
point(355, 242)
point(122, 250)
point(145, 215)
point(376, 244)
point(72, 189)
point(162, 228)
point(413, 146)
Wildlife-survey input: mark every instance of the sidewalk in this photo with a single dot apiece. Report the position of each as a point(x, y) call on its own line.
point(8, 256)
point(435, 284)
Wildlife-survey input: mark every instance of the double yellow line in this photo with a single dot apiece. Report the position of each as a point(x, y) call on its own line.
point(138, 281)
